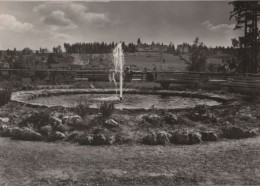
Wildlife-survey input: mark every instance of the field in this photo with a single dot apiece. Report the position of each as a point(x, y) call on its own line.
point(139, 60)
point(162, 61)
point(150, 60)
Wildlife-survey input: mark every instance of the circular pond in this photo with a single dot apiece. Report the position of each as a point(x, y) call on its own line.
point(130, 101)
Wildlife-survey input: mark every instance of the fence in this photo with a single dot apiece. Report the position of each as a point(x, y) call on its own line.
point(233, 80)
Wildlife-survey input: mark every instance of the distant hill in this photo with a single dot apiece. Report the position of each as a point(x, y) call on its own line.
point(149, 60)
point(138, 60)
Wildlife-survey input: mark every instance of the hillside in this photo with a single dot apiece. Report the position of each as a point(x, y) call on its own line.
point(142, 60)
point(138, 60)
point(149, 60)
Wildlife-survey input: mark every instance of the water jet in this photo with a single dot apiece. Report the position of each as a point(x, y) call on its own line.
point(118, 60)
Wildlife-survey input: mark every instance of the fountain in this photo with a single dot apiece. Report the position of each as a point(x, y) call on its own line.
point(135, 100)
point(118, 67)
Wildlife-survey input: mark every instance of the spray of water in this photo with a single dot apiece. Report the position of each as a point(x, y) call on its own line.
point(118, 67)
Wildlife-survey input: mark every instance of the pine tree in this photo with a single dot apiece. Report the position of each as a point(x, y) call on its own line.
point(246, 15)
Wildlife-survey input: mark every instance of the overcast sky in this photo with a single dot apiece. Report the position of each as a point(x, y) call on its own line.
point(48, 24)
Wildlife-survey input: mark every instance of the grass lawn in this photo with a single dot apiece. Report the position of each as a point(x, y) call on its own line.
point(39, 163)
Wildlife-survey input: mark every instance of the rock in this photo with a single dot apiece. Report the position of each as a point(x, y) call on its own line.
point(123, 139)
point(4, 120)
point(229, 119)
point(208, 136)
point(111, 123)
point(111, 140)
point(14, 115)
point(71, 120)
point(5, 131)
point(194, 116)
point(74, 136)
point(40, 119)
point(25, 134)
point(151, 118)
point(233, 132)
point(60, 128)
point(46, 130)
point(163, 138)
point(56, 120)
point(194, 137)
point(247, 117)
point(99, 139)
point(150, 139)
point(209, 116)
point(251, 133)
point(180, 137)
point(201, 109)
point(85, 139)
point(58, 136)
point(170, 118)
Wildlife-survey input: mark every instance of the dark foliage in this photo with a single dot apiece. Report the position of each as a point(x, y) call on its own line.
point(107, 109)
point(5, 93)
point(82, 109)
point(38, 120)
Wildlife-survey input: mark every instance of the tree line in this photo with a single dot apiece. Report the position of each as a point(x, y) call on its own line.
point(96, 47)
point(102, 47)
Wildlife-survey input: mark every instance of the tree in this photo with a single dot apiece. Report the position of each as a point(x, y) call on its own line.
point(235, 43)
point(19, 63)
point(246, 15)
point(138, 41)
point(173, 48)
point(234, 61)
point(198, 57)
point(54, 49)
point(51, 60)
point(59, 50)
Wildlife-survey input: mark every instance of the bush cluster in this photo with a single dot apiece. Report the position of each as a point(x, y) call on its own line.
point(38, 120)
point(5, 94)
point(107, 108)
point(82, 109)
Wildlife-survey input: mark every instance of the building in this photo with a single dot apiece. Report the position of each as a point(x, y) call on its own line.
point(184, 48)
point(151, 48)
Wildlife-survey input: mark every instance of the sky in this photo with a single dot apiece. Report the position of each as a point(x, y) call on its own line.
point(48, 24)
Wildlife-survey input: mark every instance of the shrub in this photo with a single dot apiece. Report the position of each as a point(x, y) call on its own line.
point(39, 119)
point(170, 118)
point(201, 109)
point(5, 94)
point(107, 109)
point(198, 57)
point(82, 109)
point(26, 134)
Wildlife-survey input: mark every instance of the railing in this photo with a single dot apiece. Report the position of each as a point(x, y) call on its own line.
point(237, 82)
point(156, 76)
point(161, 76)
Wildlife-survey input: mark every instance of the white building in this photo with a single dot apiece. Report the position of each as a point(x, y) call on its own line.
point(182, 48)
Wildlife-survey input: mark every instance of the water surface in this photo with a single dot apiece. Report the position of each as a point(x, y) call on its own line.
point(130, 101)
